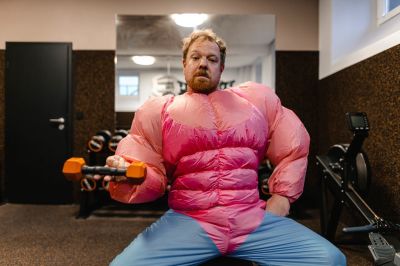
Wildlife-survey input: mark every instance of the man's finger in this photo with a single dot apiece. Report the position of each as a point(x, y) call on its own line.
point(110, 161)
point(121, 162)
point(108, 178)
point(97, 177)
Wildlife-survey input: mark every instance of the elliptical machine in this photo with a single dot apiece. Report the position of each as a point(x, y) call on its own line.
point(345, 171)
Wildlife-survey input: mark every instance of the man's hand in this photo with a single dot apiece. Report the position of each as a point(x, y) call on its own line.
point(114, 161)
point(278, 205)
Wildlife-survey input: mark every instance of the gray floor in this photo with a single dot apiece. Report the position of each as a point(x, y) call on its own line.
point(51, 235)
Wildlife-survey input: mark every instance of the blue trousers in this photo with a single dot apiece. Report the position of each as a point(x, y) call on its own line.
point(177, 239)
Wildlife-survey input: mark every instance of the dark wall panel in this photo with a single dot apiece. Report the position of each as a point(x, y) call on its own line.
point(296, 85)
point(372, 86)
point(123, 120)
point(2, 118)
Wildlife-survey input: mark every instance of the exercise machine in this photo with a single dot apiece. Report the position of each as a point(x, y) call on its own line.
point(345, 172)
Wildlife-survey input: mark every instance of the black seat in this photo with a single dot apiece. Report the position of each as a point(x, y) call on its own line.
point(227, 261)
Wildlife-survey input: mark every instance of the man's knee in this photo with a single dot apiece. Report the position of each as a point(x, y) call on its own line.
point(117, 261)
point(336, 257)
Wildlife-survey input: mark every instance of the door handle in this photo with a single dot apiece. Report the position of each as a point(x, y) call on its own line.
point(60, 121)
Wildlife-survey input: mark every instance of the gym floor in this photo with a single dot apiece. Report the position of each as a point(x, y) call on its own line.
point(51, 235)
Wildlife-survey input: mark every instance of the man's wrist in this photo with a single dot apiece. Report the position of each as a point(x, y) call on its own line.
point(278, 204)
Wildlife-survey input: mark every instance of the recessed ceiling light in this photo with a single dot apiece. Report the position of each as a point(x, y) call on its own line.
point(144, 60)
point(189, 19)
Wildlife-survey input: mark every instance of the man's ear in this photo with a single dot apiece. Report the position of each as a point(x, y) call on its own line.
point(222, 67)
point(184, 62)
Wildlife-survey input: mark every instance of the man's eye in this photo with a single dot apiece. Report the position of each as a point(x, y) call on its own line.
point(195, 57)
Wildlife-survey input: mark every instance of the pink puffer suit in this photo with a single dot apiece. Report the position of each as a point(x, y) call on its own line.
point(209, 148)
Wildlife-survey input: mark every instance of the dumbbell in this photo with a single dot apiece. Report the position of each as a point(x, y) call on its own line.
point(75, 169)
point(116, 138)
point(99, 141)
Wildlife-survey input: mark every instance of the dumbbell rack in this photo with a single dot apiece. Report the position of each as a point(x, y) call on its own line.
point(91, 201)
point(98, 151)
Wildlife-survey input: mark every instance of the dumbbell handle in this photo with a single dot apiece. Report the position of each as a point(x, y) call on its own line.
point(89, 184)
point(102, 170)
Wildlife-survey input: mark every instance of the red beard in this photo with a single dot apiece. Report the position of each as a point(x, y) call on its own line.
point(202, 85)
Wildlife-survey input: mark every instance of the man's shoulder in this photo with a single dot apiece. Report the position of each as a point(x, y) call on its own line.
point(252, 89)
point(260, 95)
point(156, 102)
point(153, 106)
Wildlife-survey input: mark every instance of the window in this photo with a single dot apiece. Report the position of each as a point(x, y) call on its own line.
point(387, 9)
point(392, 4)
point(128, 85)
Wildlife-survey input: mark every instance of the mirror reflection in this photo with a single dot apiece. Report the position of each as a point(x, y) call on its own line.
point(149, 56)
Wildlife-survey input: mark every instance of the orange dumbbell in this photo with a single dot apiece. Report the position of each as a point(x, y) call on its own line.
point(74, 169)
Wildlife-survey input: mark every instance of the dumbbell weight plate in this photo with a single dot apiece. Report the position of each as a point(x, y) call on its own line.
point(88, 184)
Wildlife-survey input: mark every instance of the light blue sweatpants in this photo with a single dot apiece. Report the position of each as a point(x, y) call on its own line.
point(177, 239)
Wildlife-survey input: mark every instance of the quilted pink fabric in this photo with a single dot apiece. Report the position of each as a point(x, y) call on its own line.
point(210, 147)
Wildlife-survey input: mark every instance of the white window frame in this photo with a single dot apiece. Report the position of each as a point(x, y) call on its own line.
point(383, 13)
point(126, 73)
point(129, 88)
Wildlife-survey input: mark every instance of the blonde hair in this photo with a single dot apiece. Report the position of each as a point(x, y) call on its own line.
point(206, 34)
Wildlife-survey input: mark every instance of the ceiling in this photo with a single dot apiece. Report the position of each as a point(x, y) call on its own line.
point(247, 38)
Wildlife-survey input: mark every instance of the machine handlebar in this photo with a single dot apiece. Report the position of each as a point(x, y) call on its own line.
point(379, 226)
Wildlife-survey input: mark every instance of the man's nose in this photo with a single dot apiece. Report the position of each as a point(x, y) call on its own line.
point(203, 62)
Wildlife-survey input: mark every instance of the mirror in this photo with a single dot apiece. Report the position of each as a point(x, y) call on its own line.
point(250, 54)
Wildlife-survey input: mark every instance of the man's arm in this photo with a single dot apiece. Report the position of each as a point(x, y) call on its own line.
point(287, 148)
point(143, 143)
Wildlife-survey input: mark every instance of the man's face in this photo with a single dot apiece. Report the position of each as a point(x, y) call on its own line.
point(202, 66)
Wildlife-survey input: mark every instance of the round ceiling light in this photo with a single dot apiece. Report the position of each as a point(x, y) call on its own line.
point(144, 60)
point(189, 19)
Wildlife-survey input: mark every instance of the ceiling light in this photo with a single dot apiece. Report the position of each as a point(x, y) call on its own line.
point(144, 60)
point(189, 19)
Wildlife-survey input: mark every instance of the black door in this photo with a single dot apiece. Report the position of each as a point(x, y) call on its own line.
point(38, 134)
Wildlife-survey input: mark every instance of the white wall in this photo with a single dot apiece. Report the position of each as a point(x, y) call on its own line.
point(349, 33)
point(90, 24)
point(268, 67)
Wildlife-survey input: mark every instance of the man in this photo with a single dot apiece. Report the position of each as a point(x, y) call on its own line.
point(208, 143)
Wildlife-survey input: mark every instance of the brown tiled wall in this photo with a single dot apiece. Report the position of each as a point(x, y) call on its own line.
point(371, 86)
point(93, 74)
